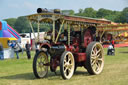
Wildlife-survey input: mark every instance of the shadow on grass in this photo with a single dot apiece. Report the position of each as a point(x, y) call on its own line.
point(126, 52)
point(50, 76)
point(53, 76)
point(24, 76)
point(84, 73)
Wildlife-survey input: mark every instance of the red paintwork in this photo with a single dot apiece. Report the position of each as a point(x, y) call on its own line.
point(54, 63)
point(45, 44)
point(80, 57)
point(76, 41)
point(0, 26)
point(87, 37)
point(74, 48)
point(109, 37)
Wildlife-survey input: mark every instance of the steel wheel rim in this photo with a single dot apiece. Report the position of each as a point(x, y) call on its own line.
point(68, 65)
point(97, 59)
point(40, 65)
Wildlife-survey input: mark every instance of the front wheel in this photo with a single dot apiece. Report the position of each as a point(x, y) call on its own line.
point(95, 58)
point(40, 67)
point(67, 65)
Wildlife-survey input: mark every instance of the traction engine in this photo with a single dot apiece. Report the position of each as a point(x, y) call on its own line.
point(69, 45)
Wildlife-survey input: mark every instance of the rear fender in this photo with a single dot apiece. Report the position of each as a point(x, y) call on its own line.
point(45, 46)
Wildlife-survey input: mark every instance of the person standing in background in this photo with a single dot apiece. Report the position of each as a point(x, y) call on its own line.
point(113, 43)
point(1, 51)
point(110, 48)
point(16, 47)
point(28, 47)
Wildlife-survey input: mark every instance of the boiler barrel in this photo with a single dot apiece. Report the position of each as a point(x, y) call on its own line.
point(57, 50)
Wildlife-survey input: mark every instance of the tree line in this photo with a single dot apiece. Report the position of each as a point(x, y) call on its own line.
point(21, 23)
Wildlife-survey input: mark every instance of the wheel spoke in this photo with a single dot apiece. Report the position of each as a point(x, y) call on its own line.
point(38, 61)
point(94, 66)
point(93, 52)
point(93, 55)
point(38, 67)
point(45, 68)
point(40, 58)
point(100, 59)
point(65, 61)
point(98, 52)
point(67, 67)
point(95, 49)
point(44, 59)
point(69, 61)
point(65, 70)
point(70, 66)
point(97, 67)
point(93, 58)
point(93, 63)
point(40, 71)
point(65, 64)
point(41, 68)
point(98, 55)
point(69, 70)
point(69, 58)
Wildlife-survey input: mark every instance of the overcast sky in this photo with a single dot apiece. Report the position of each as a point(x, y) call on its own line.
point(15, 8)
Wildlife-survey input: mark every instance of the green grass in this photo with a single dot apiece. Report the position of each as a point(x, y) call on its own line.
point(19, 72)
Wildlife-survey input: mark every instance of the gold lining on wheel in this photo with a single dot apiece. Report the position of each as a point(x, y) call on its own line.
point(41, 60)
point(68, 65)
point(97, 60)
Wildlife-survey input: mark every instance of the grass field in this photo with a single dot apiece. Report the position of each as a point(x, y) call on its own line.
point(19, 72)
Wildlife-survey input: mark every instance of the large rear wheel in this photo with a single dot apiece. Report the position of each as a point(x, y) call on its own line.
point(95, 58)
point(40, 64)
point(67, 65)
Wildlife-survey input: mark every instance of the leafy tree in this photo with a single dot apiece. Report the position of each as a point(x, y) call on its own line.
point(101, 13)
point(68, 12)
point(11, 22)
point(22, 25)
point(112, 16)
point(80, 10)
point(89, 12)
point(123, 16)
